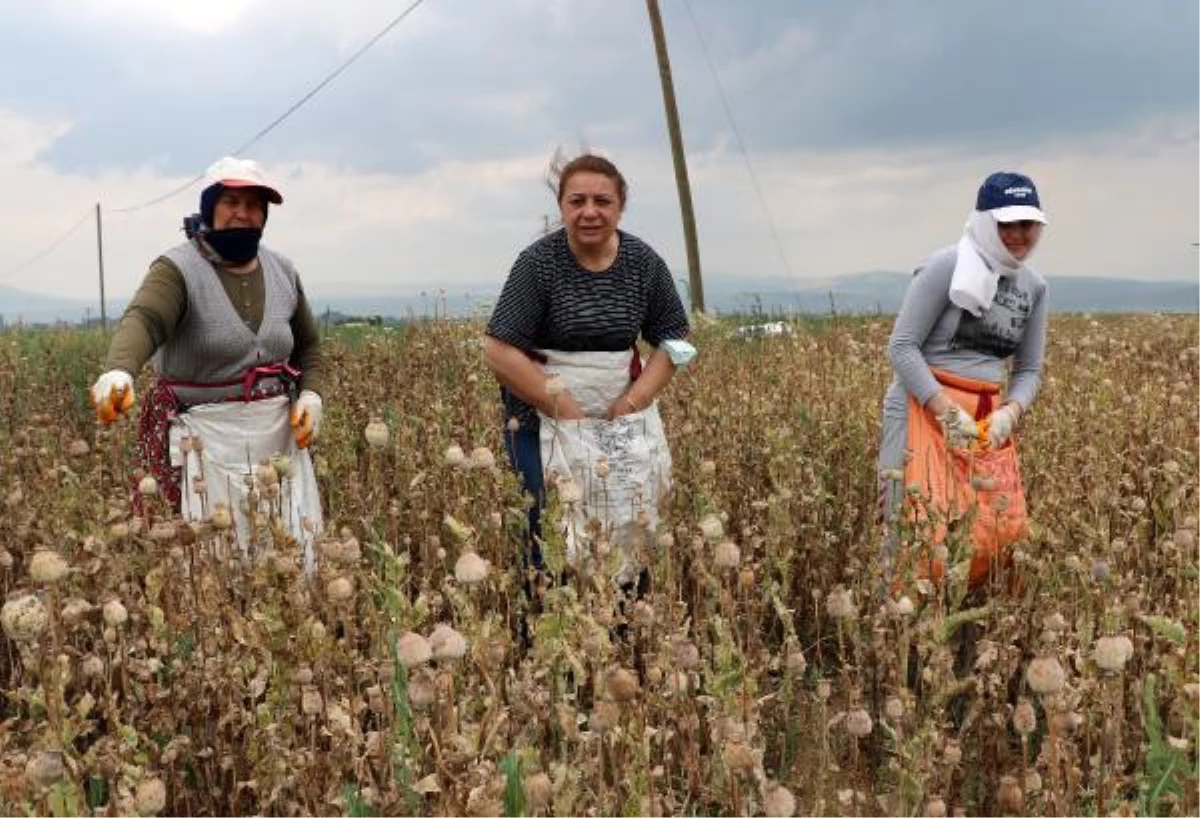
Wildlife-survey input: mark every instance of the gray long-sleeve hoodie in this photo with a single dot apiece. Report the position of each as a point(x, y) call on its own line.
point(930, 331)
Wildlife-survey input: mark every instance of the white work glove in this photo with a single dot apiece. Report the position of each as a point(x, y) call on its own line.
point(306, 417)
point(1001, 424)
point(112, 395)
point(958, 427)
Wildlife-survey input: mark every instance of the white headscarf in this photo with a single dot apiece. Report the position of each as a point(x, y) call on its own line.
point(982, 260)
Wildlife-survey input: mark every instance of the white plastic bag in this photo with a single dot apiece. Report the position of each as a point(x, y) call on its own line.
point(616, 473)
point(237, 437)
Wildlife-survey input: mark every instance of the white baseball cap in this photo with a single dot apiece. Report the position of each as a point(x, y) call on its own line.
point(233, 172)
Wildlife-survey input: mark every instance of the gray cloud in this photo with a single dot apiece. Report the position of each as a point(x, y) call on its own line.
point(479, 79)
point(938, 72)
point(488, 81)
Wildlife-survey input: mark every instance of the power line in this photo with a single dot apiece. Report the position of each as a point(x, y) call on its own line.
point(6, 276)
point(270, 127)
point(738, 139)
point(316, 89)
point(353, 57)
point(157, 199)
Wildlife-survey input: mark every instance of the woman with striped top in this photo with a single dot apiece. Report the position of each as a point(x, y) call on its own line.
point(588, 286)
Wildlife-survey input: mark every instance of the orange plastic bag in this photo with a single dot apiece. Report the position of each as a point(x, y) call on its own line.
point(953, 484)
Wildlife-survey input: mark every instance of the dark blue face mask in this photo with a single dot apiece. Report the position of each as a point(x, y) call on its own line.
point(235, 245)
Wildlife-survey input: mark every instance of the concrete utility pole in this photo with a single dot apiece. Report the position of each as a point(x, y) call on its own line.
point(681, 174)
point(100, 263)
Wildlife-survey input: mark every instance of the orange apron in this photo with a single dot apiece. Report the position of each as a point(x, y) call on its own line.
point(976, 487)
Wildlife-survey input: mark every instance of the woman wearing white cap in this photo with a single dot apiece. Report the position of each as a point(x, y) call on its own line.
point(974, 316)
point(229, 332)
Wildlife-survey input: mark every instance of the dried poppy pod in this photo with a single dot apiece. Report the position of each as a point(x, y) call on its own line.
point(1045, 675)
point(91, 667)
point(538, 791)
point(447, 644)
point(1009, 796)
point(377, 433)
point(935, 807)
point(712, 528)
point(778, 801)
point(221, 518)
point(413, 650)
point(339, 589)
point(685, 654)
point(1112, 652)
point(470, 568)
point(738, 756)
point(859, 723)
point(1024, 717)
point(24, 618)
point(150, 797)
point(620, 684)
point(840, 603)
point(47, 567)
point(45, 768)
point(727, 554)
point(115, 614)
point(482, 458)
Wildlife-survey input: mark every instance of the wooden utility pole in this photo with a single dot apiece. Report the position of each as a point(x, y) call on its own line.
point(681, 174)
point(100, 263)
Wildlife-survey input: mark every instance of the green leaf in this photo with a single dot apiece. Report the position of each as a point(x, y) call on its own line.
point(514, 791)
point(1167, 628)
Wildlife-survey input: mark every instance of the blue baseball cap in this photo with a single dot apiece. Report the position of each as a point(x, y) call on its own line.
point(1011, 197)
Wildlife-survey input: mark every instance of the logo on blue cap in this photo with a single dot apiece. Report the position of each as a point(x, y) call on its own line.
point(1007, 190)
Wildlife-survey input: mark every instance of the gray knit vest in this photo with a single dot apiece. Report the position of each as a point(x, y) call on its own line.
point(212, 343)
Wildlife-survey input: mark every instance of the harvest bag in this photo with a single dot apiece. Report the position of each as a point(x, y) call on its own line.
point(953, 483)
point(237, 436)
point(625, 501)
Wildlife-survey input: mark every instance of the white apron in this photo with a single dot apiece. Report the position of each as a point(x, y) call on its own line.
point(626, 502)
point(237, 436)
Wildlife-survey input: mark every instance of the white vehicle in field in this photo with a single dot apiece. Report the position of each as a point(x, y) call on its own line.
point(768, 330)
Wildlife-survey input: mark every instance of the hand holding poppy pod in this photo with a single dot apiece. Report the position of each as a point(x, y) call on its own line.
point(1001, 423)
point(113, 396)
point(306, 418)
point(958, 427)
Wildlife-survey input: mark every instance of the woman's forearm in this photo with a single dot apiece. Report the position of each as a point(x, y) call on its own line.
point(526, 380)
point(940, 403)
point(658, 373)
point(515, 371)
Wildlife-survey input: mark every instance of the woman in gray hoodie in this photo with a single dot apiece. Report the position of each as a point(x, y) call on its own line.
point(974, 316)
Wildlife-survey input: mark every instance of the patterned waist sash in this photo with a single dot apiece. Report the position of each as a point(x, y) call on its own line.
point(168, 398)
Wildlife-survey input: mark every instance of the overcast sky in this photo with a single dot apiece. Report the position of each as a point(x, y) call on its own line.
point(867, 125)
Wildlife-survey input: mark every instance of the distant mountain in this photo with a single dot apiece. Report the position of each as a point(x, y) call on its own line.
point(883, 292)
point(19, 306)
point(862, 292)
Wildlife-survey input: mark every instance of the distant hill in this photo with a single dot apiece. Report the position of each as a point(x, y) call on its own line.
point(884, 291)
point(858, 293)
point(19, 306)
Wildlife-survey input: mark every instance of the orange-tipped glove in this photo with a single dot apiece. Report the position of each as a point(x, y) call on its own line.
point(112, 395)
point(958, 427)
point(306, 418)
point(1001, 424)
